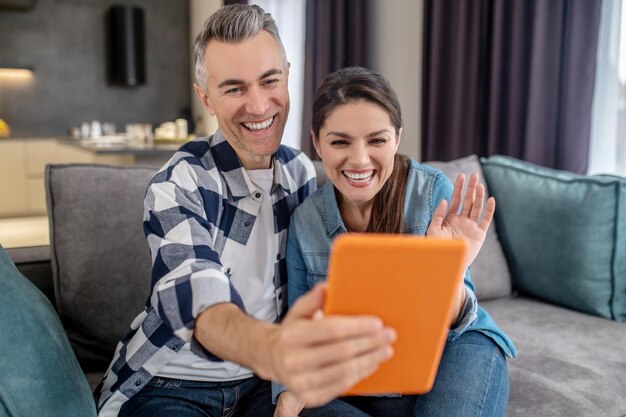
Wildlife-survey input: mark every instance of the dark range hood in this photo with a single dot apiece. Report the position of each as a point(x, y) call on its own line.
point(17, 5)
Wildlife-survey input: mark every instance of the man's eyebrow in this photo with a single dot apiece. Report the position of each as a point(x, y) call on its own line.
point(230, 82)
point(268, 73)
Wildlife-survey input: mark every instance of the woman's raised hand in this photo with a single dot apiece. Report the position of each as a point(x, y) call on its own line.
point(464, 224)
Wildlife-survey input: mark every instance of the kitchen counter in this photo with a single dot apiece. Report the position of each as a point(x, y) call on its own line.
point(154, 155)
point(23, 161)
point(116, 145)
point(106, 145)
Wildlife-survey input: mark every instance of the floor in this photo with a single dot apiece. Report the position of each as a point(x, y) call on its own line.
point(24, 232)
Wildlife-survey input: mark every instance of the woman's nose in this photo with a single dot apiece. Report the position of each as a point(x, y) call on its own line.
point(359, 155)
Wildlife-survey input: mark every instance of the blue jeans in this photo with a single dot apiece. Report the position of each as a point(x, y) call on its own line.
point(472, 381)
point(251, 397)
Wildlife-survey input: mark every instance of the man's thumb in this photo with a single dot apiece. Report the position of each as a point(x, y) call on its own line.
point(308, 304)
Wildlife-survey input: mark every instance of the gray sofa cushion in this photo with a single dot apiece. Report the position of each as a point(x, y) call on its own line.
point(99, 255)
point(569, 363)
point(490, 272)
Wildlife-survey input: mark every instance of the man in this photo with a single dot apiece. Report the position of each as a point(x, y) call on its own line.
point(216, 218)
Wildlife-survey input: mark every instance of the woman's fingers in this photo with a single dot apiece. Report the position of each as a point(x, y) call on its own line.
point(470, 194)
point(488, 216)
point(477, 206)
point(472, 207)
point(438, 216)
point(457, 194)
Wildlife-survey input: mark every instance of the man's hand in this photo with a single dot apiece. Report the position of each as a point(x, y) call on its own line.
point(319, 358)
point(288, 405)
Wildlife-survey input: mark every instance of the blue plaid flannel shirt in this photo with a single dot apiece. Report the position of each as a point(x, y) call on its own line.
point(194, 216)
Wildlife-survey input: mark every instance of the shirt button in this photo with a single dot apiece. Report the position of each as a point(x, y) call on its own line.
point(137, 383)
point(246, 224)
point(258, 195)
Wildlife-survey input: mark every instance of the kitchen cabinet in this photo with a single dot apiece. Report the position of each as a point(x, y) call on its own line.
point(22, 169)
point(13, 191)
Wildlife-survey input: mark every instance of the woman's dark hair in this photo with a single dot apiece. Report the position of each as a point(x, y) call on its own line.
point(354, 84)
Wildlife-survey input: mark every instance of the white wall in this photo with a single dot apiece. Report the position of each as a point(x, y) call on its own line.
point(290, 17)
point(395, 50)
point(199, 11)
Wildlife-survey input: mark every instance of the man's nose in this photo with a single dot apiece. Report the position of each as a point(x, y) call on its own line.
point(258, 102)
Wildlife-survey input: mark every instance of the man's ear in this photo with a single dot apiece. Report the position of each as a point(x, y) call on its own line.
point(204, 98)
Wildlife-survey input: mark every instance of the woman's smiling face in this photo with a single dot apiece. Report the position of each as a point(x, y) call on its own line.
point(357, 144)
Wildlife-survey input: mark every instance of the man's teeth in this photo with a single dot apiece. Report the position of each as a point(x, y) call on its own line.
point(361, 176)
point(260, 126)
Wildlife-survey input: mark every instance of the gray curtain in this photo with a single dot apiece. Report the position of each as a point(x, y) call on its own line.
point(335, 38)
point(512, 77)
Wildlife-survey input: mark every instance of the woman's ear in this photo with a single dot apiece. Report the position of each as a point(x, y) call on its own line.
point(398, 139)
point(316, 144)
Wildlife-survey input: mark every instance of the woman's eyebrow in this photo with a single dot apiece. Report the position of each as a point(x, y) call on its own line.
point(337, 133)
point(378, 132)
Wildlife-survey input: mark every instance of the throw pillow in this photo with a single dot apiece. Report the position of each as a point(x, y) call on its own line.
point(39, 374)
point(563, 234)
point(99, 254)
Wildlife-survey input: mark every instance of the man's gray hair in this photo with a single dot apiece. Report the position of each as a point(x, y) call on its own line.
point(232, 24)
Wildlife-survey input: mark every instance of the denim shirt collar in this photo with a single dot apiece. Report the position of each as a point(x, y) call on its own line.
point(332, 218)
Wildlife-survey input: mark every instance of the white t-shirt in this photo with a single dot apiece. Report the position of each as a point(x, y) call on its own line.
point(252, 274)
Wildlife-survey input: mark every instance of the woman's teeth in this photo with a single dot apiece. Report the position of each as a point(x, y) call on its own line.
point(259, 126)
point(361, 176)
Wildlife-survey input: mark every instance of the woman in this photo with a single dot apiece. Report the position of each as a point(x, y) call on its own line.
point(356, 131)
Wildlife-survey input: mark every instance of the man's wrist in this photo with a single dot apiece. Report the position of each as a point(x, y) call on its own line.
point(261, 340)
point(229, 333)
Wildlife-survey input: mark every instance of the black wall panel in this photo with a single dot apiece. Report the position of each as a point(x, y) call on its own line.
point(65, 41)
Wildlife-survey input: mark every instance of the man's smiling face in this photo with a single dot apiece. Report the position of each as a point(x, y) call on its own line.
point(247, 91)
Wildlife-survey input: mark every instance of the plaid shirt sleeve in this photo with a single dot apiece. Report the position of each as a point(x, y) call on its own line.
point(179, 223)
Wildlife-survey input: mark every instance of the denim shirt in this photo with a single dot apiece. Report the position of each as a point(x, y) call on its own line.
point(317, 221)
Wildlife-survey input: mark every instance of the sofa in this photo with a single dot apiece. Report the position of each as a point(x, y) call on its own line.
point(552, 273)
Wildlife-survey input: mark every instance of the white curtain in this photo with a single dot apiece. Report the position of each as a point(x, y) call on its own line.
point(607, 152)
point(290, 19)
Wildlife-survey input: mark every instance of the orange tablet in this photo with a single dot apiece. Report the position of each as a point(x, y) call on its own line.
point(407, 281)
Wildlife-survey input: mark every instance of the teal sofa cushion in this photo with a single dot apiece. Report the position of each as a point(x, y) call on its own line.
point(564, 234)
point(39, 374)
